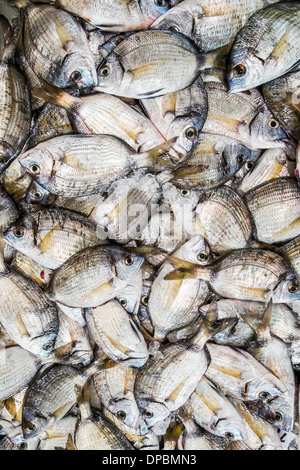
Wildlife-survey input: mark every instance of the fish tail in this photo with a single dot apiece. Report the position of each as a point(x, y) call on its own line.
point(158, 158)
point(211, 326)
point(54, 95)
point(185, 270)
point(261, 326)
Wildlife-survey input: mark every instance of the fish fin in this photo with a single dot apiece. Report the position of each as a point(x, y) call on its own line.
point(70, 443)
point(73, 162)
point(60, 412)
point(211, 326)
point(285, 232)
point(260, 326)
point(56, 96)
point(175, 394)
point(187, 171)
point(10, 37)
point(20, 3)
point(46, 243)
point(63, 34)
point(281, 47)
point(157, 158)
point(10, 405)
point(186, 270)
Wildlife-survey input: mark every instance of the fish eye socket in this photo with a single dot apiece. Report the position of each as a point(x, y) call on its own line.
point(249, 166)
point(264, 395)
point(240, 158)
point(121, 415)
point(35, 169)
point(76, 76)
point(48, 346)
point(296, 366)
point(123, 302)
point(38, 195)
point(145, 300)
point(273, 123)
point(278, 417)
point(191, 133)
point(293, 288)
point(239, 71)
point(129, 260)
point(229, 435)
point(19, 232)
point(202, 256)
point(105, 71)
point(185, 193)
point(174, 28)
point(148, 414)
point(23, 446)
point(80, 364)
point(31, 427)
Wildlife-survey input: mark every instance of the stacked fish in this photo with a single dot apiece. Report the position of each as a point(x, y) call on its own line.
point(150, 224)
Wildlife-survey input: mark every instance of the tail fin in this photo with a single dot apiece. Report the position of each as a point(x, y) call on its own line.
point(260, 326)
point(158, 158)
point(185, 270)
point(56, 96)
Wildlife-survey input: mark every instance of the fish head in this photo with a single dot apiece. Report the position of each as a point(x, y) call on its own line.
point(38, 195)
point(236, 155)
point(126, 262)
point(231, 429)
point(32, 424)
point(177, 19)
point(266, 131)
point(187, 129)
point(196, 250)
point(110, 74)
point(180, 199)
point(245, 71)
point(21, 235)
point(77, 71)
point(263, 389)
point(287, 290)
point(278, 412)
point(38, 163)
point(152, 412)
point(152, 9)
point(129, 298)
point(43, 345)
point(126, 411)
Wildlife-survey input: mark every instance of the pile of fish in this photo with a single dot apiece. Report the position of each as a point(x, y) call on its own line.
point(150, 225)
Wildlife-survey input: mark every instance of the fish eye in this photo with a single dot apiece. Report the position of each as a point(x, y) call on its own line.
point(202, 256)
point(249, 166)
point(145, 300)
point(148, 414)
point(121, 415)
point(19, 232)
point(23, 446)
point(105, 71)
point(35, 169)
point(123, 302)
point(76, 76)
point(264, 395)
point(278, 417)
point(38, 195)
point(240, 158)
point(80, 364)
point(239, 71)
point(229, 435)
point(296, 366)
point(273, 123)
point(161, 3)
point(129, 260)
point(31, 427)
point(174, 28)
point(48, 346)
point(293, 288)
point(185, 193)
point(191, 133)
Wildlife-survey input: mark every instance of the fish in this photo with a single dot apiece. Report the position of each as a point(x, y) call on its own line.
point(15, 110)
point(50, 237)
point(252, 274)
point(195, 438)
point(97, 275)
point(116, 16)
point(59, 435)
point(237, 374)
point(56, 47)
point(214, 161)
point(212, 411)
point(148, 64)
point(274, 209)
point(209, 24)
point(174, 305)
point(82, 165)
point(243, 117)
point(282, 98)
point(102, 113)
point(29, 268)
point(9, 212)
point(265, 48)
point(117, 335)
point(164, 384)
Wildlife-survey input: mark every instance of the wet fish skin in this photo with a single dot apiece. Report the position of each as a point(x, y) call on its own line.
point(142, 66)
point(98, 274)
point(8, 210)
point(56, 47)
point(266, 48)
point(52, 236)
point(209, 24)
